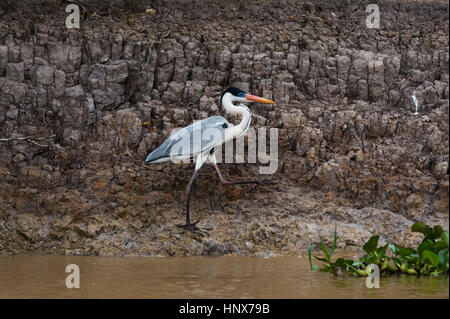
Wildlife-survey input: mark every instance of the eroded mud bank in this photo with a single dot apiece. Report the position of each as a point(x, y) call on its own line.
point(352, 152)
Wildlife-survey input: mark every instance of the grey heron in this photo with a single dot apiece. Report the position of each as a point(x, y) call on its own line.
point(202, 139)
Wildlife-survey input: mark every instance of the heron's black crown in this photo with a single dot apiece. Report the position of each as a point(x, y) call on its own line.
point(232, 90)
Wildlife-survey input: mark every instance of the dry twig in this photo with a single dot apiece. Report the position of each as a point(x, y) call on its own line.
point(150, 49)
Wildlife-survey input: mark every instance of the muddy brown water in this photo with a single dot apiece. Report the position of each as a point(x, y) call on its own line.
point(25, 276)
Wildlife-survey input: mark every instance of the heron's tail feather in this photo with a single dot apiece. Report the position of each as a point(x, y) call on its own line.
point(156, 158)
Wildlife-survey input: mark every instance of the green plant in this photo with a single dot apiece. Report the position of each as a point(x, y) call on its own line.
point(430, 257)
point(327, 253)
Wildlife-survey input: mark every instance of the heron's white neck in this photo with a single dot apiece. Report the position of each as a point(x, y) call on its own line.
point(240, 109)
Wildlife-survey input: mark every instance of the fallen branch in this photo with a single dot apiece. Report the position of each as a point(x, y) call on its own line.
point(28, 138)
point(34, 141)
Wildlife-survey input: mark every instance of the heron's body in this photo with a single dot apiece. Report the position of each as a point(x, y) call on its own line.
point(202, 139)
point(184, 138)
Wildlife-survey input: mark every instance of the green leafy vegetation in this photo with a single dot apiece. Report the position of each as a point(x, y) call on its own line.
point(429, 258)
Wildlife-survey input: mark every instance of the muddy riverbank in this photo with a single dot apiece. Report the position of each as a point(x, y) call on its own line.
point(352, 151)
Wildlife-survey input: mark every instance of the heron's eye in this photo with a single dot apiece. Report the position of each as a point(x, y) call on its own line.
point(241, 94)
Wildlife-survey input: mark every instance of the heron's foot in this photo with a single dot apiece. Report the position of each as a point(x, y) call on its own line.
point(189, 226)
point(267, 181)
point(255, 182)
point(192, 227)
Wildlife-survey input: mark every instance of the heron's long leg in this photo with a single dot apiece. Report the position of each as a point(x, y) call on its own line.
point(225, 182)
point(189, 225)
point(188, 198)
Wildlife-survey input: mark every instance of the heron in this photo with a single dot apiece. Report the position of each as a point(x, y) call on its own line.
point(201, 140)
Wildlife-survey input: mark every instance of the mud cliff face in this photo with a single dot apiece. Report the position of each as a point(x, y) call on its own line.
point(80, 109)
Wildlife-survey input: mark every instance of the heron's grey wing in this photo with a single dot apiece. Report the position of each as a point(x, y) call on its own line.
point(212, 132)
point(196, 138)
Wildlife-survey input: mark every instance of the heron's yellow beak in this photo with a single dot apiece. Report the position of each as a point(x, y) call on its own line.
point(255, 98)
